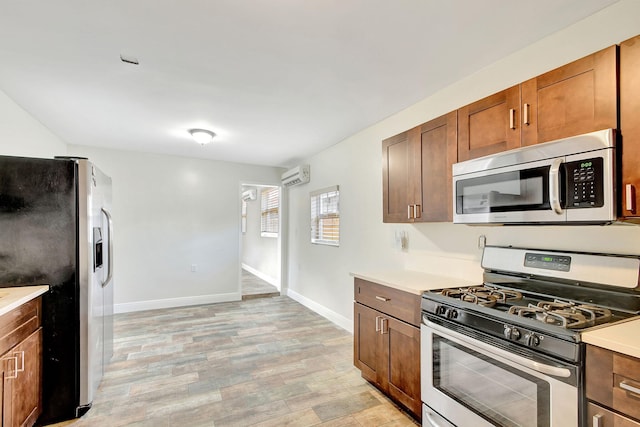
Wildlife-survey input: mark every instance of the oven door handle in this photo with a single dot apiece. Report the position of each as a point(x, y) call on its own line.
point(555, 371)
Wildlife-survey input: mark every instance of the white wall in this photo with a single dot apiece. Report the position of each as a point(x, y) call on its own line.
point(319, 275)
point(170, 213)
point(22, 135)
point(260, 255)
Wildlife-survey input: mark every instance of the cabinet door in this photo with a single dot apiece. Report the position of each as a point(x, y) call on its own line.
point(401, 369)
point(489, 125)
point(438, 153)
point(366, 341)
point(576, 98)
point(22, 399)
point(401, 184)
point(630, 127)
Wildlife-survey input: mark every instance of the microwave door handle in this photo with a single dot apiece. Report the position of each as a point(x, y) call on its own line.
point(554, 186)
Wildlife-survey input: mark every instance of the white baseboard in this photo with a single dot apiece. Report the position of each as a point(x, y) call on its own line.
point(129, 307)
point(338, 319)
point(270, 280)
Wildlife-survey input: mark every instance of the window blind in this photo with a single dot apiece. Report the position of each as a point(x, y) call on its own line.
point(325, 216)
point(269, 214)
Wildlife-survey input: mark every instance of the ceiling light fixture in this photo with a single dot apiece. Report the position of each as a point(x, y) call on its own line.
point(202, 136)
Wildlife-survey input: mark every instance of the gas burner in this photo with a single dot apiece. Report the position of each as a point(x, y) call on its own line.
point(485, 296)
point(564, 314)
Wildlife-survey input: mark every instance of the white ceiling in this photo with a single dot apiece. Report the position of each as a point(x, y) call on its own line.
point(277, 80)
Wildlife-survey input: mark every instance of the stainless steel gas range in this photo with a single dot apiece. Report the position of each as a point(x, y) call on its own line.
point(508, 352)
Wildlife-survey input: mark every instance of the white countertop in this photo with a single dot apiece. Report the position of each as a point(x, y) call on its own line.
point(11, 298)
point(623, 338)
point(415, 282)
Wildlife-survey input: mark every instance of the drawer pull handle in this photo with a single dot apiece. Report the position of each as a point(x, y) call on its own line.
point(625, 386)
point(383, 299)
point(597, 420)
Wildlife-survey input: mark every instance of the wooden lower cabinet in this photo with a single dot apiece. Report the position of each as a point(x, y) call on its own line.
point(613, 388)
point(387, 352)
point(21, 365)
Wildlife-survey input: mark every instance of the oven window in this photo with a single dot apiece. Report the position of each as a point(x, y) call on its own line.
point(499, 393)
point(503, 192)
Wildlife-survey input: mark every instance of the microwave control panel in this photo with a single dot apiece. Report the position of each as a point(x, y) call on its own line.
point(585, 183)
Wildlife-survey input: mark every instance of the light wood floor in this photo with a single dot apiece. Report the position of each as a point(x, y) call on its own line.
point(259, 362)
point(255, 287)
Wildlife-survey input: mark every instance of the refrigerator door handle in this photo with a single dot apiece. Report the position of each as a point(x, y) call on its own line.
point(110, 247)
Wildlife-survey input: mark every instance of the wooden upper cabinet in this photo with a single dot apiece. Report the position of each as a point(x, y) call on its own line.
point(630, 127)
point(399, 177)
point(577, 98)
point(438, 151)
point(416, 172)
point(489, 125)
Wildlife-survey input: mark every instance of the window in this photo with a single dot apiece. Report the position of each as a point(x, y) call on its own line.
point(325, 216)
point(269, 214)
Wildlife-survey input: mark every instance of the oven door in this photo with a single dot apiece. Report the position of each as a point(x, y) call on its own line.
point(473, 382)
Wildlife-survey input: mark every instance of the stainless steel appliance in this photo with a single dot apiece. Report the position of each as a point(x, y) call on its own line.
point(56, 229)
point(571, 180)
point(508, 352)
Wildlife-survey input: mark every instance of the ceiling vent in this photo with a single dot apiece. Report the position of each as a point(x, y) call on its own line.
point(298, 175)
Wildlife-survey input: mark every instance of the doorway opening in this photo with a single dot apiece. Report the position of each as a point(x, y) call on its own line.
point(260, 241)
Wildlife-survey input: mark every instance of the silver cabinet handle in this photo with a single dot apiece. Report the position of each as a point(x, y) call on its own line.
point(110, 248)
point(630, 197)
point(416, 211)
point(384, 330)
point(378, 323)
point(19, 354)
point(409, 211)
point(525, 114)
point(15, 368)
point(628, 387)
point(512, 118)
point(554, 185)
point(597, 421)
point(383, 299)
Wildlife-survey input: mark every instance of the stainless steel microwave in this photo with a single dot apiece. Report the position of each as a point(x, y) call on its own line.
point(570, 180)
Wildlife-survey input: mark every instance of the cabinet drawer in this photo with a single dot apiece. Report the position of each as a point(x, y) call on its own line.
point(19, 323)
point(597, 416)
point(399, 304)
point(613, 379)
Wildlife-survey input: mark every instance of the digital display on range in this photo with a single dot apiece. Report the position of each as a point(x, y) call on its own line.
point(547, 261)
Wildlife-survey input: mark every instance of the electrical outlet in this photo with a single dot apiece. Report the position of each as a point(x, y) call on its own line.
point(482, 241)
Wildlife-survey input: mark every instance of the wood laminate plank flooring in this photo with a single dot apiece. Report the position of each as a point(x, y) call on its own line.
point(255, 287)
point(259, 362)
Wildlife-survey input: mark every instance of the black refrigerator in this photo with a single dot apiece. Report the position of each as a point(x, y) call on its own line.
point(56, 229)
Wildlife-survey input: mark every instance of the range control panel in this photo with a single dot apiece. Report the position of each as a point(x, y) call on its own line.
point(547, 261)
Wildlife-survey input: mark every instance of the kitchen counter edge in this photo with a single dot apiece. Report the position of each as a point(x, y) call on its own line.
point(622, 338)
point(415, 282)
point(16, 296)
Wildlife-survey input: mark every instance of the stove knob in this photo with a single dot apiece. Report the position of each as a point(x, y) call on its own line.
point(451, 313)
point(532, 340)
point(512, 333)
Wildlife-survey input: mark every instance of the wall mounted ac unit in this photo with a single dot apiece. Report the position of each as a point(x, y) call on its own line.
point(298, 175)
point(249, 195)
